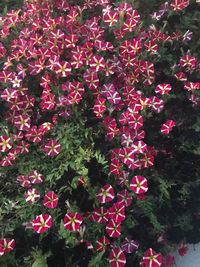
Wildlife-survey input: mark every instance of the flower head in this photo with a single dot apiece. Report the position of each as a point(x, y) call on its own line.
point(42, 223)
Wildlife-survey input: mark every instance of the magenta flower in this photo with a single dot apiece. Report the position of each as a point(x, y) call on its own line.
point(117, 258)
point(50, 200)
point(167, 127)
point(52, 148)
point(105, 194)
point(163, 89)
point(42, 223)
point(35, 177)
point(72, 221)
point(102, 243)
point(152, 258)
point(113, 229)
point(139, 184)
point(117, 212)
point(22, 122)
point(6, 245)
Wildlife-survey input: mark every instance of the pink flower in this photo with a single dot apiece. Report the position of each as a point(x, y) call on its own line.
point(50, 200)
point(52, 148)
point(24, 181)
point(102, 243)
point(6, 245)
point(105, 194)
point(110, 18)
point(97, 63)
point(178, 5)
point(124, 197)
point(139, 184)
point(22, 122)
point(42, 223)
point(32, 196)
point(117, 212)
point(183, 250)
point(72, 221)
point(163, 89)
point(113, 229)
point(117, 258)
point(152, 259)
point(5, 143)
point(35, 177)
point(167, 127)
point(100, 215)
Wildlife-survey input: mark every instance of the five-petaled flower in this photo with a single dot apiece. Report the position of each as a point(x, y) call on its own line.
point(105, 194)
point(6, 245)
point(72, 221)
point(117, 258)
point(139, 184)
point(152, 258)
point(42, 223)
point(52, 148)
point(5, 143)
point(167, 127)
point(32, 195)
point(50, 200)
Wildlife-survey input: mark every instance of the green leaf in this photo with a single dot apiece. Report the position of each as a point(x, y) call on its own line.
point(95, 262)
point(40, 262)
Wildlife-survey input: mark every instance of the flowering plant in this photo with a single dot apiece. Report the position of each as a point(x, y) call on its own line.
point(87, 117)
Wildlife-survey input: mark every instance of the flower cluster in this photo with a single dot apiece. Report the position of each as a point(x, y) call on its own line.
point(58, 61)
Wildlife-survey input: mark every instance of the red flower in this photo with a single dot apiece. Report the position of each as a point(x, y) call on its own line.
point(52, 148)
point(102, 243)
point(124, 198)
point(117, 258)
point(135, 121)
point(100, 215)
point(42, 223)
point(188, 62)
point(169, 261)
point(163, 89)
point(139, 147)
point(113, 229)
point(63, 68)
point(72, 221)
point(6, 245)
point(97, 63)
point(152, 259)
point(24, 181)
point(9, 94)
point(50, 200)
point(22, 122)
point(99, 107)
point(182, 251)
point(5, 143)
point(178, 5)
point(35, 177)
point(139, 184)
point(127, 155)
point(110, 17)
point(34, 135)
point(117, 212)
point(32, 196)
point(105, 194)
point(167, 127)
